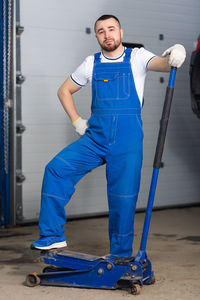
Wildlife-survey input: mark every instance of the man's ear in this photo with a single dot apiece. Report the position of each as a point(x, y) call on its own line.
point(122, 32)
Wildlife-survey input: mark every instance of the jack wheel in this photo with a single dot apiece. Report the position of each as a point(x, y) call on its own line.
point(32, 279)
point(135, 289)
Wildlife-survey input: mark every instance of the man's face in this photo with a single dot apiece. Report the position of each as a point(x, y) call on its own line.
point(109, 34)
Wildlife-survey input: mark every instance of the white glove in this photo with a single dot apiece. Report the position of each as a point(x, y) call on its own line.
point(177, 55)
point(80, 125)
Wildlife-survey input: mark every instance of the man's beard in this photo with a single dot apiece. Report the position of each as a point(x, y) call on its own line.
point(110, 48)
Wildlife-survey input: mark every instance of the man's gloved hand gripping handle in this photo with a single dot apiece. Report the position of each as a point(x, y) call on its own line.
point(176, 54)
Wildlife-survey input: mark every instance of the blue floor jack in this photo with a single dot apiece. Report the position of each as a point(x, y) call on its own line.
point(72, 269)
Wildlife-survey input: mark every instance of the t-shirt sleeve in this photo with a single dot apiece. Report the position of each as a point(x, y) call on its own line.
point(82, 74)
point(144, 57)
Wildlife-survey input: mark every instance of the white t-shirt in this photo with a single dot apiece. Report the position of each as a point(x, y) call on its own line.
point(140, 59)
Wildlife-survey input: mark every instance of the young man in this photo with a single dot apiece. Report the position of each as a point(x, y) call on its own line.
point(113, 135)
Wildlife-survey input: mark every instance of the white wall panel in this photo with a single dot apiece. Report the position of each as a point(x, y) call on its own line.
point(54, 43)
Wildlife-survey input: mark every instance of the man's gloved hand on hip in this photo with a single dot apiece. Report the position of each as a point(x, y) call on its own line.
point(177, 55)
point(80, 125)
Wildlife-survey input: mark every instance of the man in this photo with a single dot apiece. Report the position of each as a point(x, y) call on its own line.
point(113, 135)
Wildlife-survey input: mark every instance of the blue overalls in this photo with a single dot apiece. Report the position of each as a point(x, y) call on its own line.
point(114, 137)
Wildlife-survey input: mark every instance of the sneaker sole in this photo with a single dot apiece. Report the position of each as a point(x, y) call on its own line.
point(53, 246)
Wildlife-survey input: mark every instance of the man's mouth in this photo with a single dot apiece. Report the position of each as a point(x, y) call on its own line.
point(108, 41)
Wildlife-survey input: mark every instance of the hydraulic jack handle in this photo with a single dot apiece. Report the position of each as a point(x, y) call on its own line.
point(141, 256)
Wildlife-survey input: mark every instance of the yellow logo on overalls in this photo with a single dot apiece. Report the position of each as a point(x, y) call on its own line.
point(105, 80)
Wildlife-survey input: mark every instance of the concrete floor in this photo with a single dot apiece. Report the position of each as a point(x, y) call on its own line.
point(173, 248)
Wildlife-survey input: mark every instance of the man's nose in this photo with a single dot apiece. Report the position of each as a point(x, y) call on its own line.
point(107, 34)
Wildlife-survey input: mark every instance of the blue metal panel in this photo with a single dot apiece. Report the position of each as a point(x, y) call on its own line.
point(4, 152)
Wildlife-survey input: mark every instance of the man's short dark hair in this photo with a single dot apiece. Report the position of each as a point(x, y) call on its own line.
point(106, 17)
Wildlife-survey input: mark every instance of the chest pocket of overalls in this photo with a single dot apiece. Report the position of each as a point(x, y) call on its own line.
point(112, 86)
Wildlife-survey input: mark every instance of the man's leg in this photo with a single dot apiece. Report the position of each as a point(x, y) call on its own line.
point(123, 181)
point(61, 175)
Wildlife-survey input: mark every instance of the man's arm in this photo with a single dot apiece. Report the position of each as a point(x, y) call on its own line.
point(159, 64)
point(172, 57)
point(65, 92)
